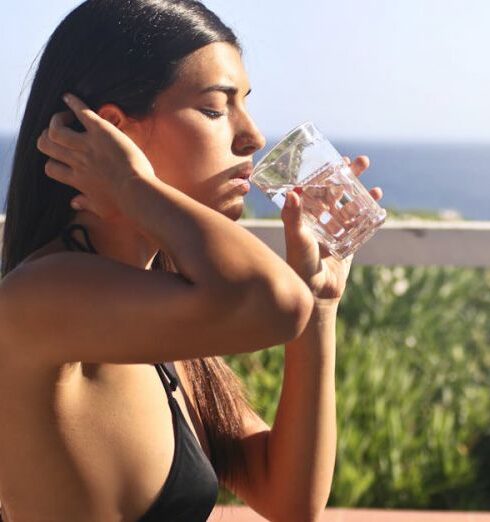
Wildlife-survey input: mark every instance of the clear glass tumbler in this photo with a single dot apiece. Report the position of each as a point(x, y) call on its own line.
point(336, 206)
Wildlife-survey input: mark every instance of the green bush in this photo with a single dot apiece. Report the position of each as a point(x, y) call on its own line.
point(413, 388)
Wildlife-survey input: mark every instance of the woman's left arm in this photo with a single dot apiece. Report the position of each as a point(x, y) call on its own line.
point(302, 441)
point(290, 466)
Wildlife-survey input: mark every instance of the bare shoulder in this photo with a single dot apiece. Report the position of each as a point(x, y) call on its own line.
point(48, 269)
point(75, 306)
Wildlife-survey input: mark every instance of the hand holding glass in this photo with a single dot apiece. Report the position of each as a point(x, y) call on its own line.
point(336, 207)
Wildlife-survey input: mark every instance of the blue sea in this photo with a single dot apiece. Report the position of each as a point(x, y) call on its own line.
point(415, 177)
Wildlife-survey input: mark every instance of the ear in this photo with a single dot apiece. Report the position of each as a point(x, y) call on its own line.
point(132, 127)
point(113, 114)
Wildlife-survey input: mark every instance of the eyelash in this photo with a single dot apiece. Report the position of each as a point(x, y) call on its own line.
point(213, 115)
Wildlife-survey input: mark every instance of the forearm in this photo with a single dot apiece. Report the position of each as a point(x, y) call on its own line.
point(207, 247)
point(197, 238)
point(302, 441)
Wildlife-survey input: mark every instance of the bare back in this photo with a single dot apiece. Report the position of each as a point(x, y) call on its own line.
point(78, 431)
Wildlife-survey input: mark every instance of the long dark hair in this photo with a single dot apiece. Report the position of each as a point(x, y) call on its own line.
point(124, 52)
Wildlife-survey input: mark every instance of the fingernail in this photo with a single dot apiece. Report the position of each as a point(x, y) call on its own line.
point(289, 201)
point(66, 98)
point(76, 205)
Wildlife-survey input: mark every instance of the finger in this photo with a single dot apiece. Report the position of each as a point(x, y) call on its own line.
point(59, 172)
point(348, 214)
point(81, 202)
point(332, 225)
point(359, 165)
point(347, 160)
point(291, 212)
point(55, 151)
point(329, 193)
point(59, 132)
point(85, 115)
point(376, 193)
point(62, 119)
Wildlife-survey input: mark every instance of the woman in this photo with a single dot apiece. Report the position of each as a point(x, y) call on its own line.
point(97, 427)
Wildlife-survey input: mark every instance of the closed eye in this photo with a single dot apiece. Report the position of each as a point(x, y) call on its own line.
point(214, 115)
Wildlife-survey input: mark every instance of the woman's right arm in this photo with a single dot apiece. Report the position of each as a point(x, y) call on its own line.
point(232, 293)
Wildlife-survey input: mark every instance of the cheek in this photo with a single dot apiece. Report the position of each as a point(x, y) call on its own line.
point(185, 152)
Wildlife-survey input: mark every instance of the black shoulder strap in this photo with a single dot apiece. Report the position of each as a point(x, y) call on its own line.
point(165, 374)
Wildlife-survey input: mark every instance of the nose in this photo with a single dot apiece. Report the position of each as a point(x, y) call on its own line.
point(248, 138)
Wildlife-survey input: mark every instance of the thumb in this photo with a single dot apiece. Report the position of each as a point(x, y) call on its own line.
point(291, 216)
point(291, 212)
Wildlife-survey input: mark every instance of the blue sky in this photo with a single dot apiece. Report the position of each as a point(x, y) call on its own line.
point(391, 70)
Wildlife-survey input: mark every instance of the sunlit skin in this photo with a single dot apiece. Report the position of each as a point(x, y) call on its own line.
point(197, 151)
point(200, 129)
point(196, 137)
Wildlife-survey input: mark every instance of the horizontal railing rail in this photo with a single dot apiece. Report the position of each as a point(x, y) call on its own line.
point(408, 243)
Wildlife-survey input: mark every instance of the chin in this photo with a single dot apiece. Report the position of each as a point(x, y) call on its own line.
point(233, 211)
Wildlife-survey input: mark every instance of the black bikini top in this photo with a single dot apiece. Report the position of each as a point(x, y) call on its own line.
point(191, 489)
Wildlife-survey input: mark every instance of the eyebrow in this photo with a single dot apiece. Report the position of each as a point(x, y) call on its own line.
point(227, 89)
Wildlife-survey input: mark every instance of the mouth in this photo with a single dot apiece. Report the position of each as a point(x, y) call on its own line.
point(239, 178)
point(243, 172)
point(241, 184)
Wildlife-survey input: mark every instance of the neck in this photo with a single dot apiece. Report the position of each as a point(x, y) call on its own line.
point(117, 240)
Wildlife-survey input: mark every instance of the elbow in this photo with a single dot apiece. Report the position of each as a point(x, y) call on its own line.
point(290, 309)
point(270, 311)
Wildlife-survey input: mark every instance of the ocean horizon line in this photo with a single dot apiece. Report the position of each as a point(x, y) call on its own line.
point(479, 142)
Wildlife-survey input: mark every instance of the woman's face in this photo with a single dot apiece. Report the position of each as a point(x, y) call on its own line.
point(200, 135)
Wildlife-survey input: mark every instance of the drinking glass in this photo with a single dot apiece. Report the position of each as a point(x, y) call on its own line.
point(336, 206)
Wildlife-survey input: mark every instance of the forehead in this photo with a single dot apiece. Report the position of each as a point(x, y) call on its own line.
point(216, 63)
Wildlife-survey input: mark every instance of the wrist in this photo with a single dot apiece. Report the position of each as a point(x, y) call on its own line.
point(324, 313)
point(134, 192)
point(130, 185)
point(326, 305)
point(318, 337)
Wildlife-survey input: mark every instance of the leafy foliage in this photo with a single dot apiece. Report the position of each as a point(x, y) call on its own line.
point(413, 388)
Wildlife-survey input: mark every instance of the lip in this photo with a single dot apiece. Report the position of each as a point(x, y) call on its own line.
point(243, 183)
point(243, 172)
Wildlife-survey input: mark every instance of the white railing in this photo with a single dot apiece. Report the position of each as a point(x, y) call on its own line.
point(409, 243)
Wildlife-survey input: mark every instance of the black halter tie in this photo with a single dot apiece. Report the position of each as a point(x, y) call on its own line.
point(72, 242)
